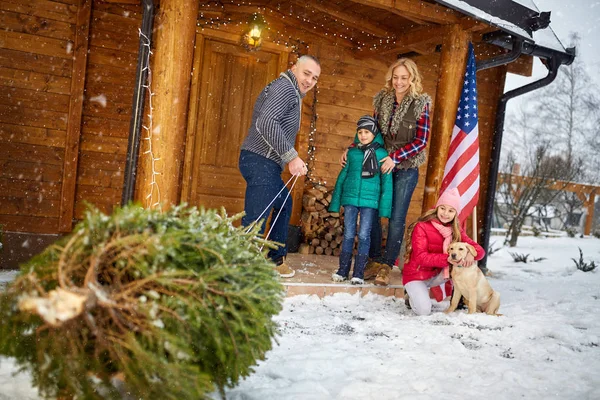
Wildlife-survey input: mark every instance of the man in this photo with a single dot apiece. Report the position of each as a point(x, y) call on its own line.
point(269, 146)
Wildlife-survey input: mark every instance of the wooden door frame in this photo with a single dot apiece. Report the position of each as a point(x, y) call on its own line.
point(283, 54)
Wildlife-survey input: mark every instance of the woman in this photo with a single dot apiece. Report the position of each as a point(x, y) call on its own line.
point(402, 114)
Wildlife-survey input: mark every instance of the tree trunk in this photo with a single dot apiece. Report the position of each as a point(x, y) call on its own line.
point(512, 235)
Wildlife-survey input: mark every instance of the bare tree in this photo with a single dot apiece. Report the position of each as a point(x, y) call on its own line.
point(565, 114)
point(555, 138)
point(542, 179)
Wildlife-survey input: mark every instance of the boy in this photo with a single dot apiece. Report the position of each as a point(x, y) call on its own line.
point(362, 189)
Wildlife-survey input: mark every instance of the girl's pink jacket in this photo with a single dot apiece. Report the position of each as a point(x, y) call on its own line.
point(427, 258)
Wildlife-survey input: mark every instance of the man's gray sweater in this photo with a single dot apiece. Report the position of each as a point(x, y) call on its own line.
point(276, 120)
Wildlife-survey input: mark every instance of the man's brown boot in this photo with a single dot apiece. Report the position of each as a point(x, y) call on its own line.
point(383, 276)
point(284, 270)
point(372, 269)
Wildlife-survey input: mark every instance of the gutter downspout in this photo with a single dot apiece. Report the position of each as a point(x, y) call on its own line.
point(137, 108)
point(554, 64)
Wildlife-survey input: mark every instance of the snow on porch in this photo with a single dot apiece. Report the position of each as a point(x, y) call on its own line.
point(313, 276)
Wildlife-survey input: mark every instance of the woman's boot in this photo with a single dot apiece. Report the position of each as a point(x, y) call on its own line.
point(383, 276)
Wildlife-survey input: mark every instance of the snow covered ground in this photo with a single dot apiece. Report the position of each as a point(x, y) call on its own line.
point(345, 347)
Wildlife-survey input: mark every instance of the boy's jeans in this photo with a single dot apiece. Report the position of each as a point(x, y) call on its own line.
point(263, 179)
point(367, 216)
point(405, 182)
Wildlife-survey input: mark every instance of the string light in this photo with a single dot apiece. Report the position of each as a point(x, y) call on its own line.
point(154, 188)
point(364, 41)
point(311, 142)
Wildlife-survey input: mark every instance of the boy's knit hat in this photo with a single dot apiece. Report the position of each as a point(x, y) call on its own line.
point(367, 122)
point(450, 197)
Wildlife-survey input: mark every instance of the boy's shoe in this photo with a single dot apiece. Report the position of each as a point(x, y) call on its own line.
point(284, 270)
point(338, 278)
point(372, 269)
point(357, 281)
point(383, 276)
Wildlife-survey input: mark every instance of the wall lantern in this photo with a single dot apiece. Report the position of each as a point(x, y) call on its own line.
point(252, 39)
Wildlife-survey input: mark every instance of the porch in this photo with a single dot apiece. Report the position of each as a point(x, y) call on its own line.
point(313, 276)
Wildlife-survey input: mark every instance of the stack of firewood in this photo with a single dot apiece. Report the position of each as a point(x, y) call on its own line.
point(322, 230)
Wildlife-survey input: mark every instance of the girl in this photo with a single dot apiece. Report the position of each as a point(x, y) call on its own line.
point(426, 252)
point(362, 189)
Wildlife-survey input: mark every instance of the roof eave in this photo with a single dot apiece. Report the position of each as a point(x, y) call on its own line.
point(523, 30)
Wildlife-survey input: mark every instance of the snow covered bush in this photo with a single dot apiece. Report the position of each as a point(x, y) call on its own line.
point(154, 305)
point(524, 258)
point(582, 265)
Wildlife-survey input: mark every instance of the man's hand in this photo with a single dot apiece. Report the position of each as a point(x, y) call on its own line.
point(388, 165)
point(343, 158)
point(297, 167)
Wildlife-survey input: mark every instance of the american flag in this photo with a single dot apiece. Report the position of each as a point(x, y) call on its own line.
point(462, 166)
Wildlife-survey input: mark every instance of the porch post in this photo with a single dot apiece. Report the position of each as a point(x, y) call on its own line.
point(452, 69)
point(589, 220)
point(161, 159)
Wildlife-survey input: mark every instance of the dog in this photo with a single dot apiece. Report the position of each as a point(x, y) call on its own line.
point(470, 283)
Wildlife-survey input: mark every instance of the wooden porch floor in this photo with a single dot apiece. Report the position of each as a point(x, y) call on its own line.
point(313, 276)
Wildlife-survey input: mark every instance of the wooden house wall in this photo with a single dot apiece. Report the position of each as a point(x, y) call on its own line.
point(345, 92)
point(36, 50)
point(36, 77)
point(490, 87)
point(37, 39)
point(109, 85)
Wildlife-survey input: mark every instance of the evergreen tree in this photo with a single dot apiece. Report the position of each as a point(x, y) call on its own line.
point(142, 303)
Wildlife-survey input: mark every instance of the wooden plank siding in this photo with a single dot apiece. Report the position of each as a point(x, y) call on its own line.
point(109, 83)
point(36, 44)
point(38, 106)
point(80, 52)
point(345, 92)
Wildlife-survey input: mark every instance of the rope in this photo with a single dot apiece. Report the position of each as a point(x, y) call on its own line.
point(272, 201)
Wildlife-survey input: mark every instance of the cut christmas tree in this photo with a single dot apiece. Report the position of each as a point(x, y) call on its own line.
point(145, 304)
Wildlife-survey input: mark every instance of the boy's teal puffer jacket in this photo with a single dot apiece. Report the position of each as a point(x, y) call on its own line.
point(351, 189)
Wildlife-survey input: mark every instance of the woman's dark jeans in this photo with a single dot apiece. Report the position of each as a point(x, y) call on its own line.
point(263, 182)
point(405, 182)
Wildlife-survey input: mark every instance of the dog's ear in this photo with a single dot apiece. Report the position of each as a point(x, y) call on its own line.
point(471, 249)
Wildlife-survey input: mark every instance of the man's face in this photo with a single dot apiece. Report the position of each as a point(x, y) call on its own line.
point(306, 73)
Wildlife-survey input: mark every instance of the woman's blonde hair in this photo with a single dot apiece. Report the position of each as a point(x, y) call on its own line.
point(416, 88)
point(428, 216)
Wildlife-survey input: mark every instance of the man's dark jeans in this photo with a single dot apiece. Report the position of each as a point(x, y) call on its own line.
point(405, 182)
point(263, 180)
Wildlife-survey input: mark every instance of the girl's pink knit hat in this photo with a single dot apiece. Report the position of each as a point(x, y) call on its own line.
point(451, 197)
